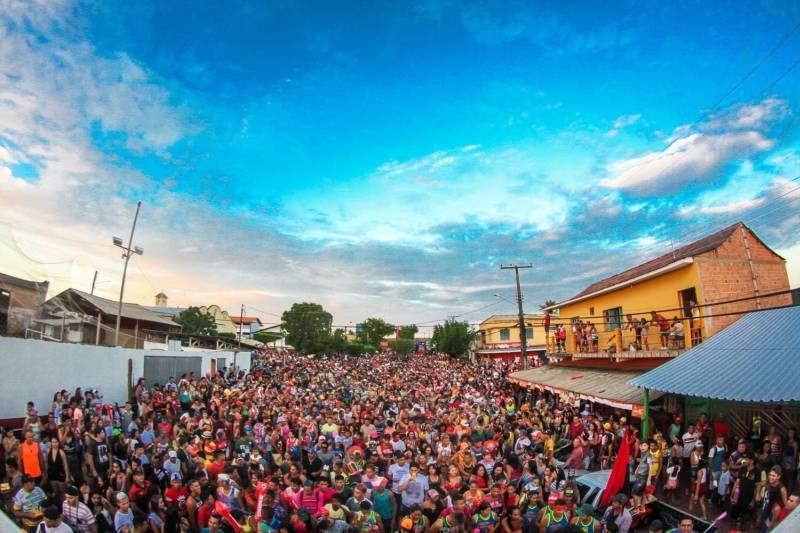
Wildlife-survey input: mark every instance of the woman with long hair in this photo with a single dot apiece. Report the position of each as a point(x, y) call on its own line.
point(57, 468)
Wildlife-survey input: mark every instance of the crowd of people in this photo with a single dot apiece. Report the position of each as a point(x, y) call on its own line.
point(373, 444)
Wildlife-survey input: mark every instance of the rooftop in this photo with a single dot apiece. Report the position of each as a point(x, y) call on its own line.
point(110, 307)
point(27, 284)
point(246, 320)
point(752, 360)
point(678, 257)
point(512, 318)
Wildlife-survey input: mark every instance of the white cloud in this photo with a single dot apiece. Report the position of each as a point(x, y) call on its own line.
point(685, 160)
point(626, 120)
point(738, 207)
point(483, 188)
point(695, 152)
point(620, 123)
point(758, 116)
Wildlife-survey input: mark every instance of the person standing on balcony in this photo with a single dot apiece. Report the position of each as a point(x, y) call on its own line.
point(634, 327)
point(663, 327)
point(644, 327)
point(676, 333)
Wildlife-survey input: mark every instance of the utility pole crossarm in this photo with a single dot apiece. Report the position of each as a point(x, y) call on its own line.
point(523, 344)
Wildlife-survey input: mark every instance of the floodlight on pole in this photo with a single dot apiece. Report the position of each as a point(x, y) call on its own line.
point(127, 251)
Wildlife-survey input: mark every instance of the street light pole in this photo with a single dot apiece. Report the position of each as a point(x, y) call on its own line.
point(127, 251)
point(523, 345)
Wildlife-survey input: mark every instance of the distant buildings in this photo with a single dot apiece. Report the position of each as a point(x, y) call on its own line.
point(20, 300)
point(77, 316)
point(249, 325)
point(498, 336)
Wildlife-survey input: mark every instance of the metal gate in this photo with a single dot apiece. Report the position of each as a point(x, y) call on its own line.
point(158, 369)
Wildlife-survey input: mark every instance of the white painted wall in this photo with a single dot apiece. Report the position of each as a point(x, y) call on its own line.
point(32, 370)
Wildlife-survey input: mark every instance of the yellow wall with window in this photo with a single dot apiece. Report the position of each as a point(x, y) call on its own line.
point(504, 329)
point(661, 292)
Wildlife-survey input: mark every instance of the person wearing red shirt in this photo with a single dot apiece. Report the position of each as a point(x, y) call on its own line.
point(217, 466)
point(176, 494)
point(141, 492)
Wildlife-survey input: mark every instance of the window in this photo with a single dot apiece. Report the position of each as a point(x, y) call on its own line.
point(591, 311)
point(613, 318)
point(504, 335)
point(528, 334)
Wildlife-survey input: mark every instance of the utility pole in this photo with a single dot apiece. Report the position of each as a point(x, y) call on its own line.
point(239, 347)
point(94, 280)
point(127, 251)
point(523, 345)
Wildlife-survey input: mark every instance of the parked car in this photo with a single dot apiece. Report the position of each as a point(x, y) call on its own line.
point(591, 486)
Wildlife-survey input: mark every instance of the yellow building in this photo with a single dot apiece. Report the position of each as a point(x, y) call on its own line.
point(694, 284)
point(498, 336)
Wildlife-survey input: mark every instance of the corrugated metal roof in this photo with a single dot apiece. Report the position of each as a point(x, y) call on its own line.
point(608, 384)
point(755, 359)
point(109, 307)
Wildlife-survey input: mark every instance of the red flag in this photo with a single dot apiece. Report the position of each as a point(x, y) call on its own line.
point(619, 472)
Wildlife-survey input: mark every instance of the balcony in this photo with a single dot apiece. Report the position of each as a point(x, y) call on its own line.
point(625, 344)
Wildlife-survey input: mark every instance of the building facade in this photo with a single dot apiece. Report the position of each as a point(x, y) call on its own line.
point(20, 300)
point(706, 285)
point(498, 336)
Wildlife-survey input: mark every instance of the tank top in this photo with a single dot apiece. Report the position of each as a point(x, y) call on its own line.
point(230, 500)
point(588, 527)
point(445, 526)
point(554, 524)
point(383, 505)
point(55, 468)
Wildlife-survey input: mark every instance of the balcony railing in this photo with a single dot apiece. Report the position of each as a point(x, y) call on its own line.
point(625, 343)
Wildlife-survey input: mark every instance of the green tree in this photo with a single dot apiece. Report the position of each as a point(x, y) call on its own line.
point(402, 346)
point(267, 336)
point(357, 348)
point(195, 322)
point(408, 332)
point(374, 330)
point(547, 303)
point(227, 335)
point(453, 338)
point(337, 343)
point(307, 327)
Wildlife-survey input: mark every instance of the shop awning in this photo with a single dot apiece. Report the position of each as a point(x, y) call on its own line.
point(605, 386)
point(755, 359)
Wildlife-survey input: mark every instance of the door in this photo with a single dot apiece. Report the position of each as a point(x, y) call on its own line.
point(158, 369)
point(686, 298)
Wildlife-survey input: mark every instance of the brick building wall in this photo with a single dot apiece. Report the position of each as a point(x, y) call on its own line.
point(727, 273)
point(25, 303)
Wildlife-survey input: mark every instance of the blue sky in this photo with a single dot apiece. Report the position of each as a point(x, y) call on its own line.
point(384, 158)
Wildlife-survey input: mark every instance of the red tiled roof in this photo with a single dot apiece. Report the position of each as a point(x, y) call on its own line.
point(246, 320)
point(706, 244)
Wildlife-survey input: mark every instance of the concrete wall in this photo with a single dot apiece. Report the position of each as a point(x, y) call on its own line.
point(33, 370)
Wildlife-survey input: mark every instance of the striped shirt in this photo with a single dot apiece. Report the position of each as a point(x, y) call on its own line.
point(80, 518)
point(29, 502)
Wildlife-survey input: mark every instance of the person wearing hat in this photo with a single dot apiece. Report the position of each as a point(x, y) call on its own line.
point(76, 514)
point(585, 520)
point(124, 516)
point(27, 503)
point(172, 465)
point(746, 483)
point(617, 515)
